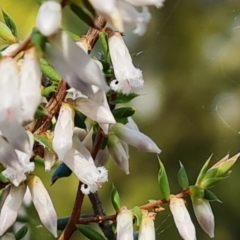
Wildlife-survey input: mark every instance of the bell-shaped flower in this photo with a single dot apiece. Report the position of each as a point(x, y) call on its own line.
point(93, 110)
point(147, 230)
point(43, 204)
point(109, 11)
point(128, 78)
point(133, 18)
point(157, 3)
point(118, 153)
point(63, 131)
point(124, 224)
point(182, 218)
point(76, 61)
point(50, 159)
point(86, 171)
point(49, 18)
point(135, 138)
point(204, 215)
point(11, 206)
point(30, 82)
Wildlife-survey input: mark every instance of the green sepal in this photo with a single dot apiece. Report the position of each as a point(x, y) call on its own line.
point(44, 141)
point(163, 182)
point(49, 71)
point(182, 177)
point(47, 91)
point(104, 44)
point(38, 40)
point(123, 98)
point(6, 34)
point(10, 23)
point(210, 196)
point(21, 232)
point(196, 191)
point(40, 112)
point(79, 120)
point(90, 233)
point(83, 13)
point(203, 171)
point(123, 112)
point(61, 171)
point(210, 182)
point(115, 198)
point(136, 211)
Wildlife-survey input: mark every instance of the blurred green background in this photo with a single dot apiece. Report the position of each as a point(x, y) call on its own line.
point(190, 57)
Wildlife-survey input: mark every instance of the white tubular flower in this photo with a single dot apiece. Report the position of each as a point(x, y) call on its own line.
point(135, 138)
point(93, 110)
point(147, 230)
point(49, 159)
point(63, 131)
point(109, 10)
point(9, 92)
point(124, 224)
point(157, 3)
point(133, 18)
point(83, 66)
point(86, 171)
point(182, 218)
point(128, 78)
point(11, 206)
point(49, 18)
point(43, 204)
point(24, 161)
point(102, 157)
point(204, 215)
point(118, 153)
point(30, 82)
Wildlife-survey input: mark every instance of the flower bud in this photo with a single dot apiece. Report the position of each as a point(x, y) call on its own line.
point(204, 215)
point(147, 230)
point(124, 224)
point(49, 18)
point(182, 218)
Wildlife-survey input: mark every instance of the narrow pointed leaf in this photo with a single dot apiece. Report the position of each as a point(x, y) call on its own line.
point(182, 177)
point(38, 40)
point(196, 191)
point(62, 171)
point(21, 232)
point(10, 23)
point(123, 112)
point(210, 196)
point(123, 98)
point(48, 90)
point(136, 211)
point(203, 171)
point(49, 71)
point(115, 199)
point(104, 44)
point(6, 34)
point(44, 141)
point(79, 120)
point(90, 233)
point(163, 182)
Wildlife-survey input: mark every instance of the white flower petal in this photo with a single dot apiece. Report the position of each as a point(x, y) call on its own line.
point(63, 131)
point(43, 204)
point(49, 18)
point(15, 177)
point(11, 206)
point(147, 230)
point(182, 218)
point(49, 159)
point(157, 3)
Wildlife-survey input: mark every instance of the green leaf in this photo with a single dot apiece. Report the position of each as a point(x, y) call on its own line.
point(21, 232)
point(123, 112)
point(38, 40)
point(22, 219)
point(48, 90)
point(3, 47)
point(6, 34)
point(10, 23)
point(90, 233)
point(104, 44)
point(44, 141)
point(163, 181)
point(123, 98)
point(210, 196)
point(39, 160)
point(3, 179)
point(40, 112)
point(61, 171)
point(83, 14)
point(196, 191)
point(79, 120)
point(203, 171)
point(115, 198)
point(136, 211)
point(182, 177)
point(49, 71)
